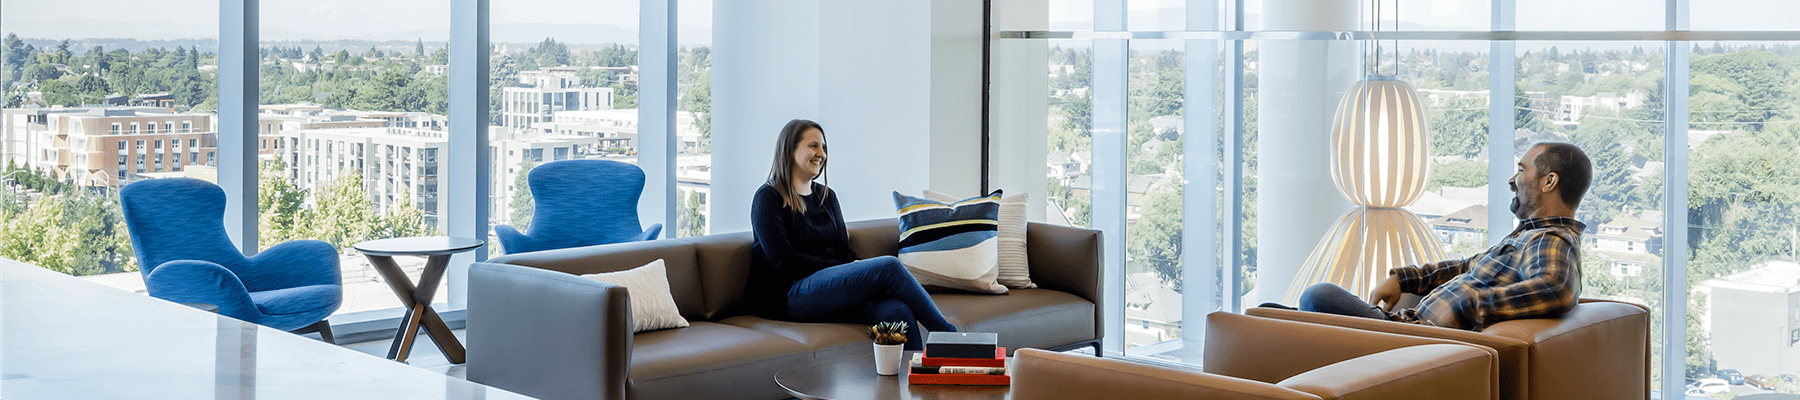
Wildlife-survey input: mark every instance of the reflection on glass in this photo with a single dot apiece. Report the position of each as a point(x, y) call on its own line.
point(90, 105)
point(1070, 161)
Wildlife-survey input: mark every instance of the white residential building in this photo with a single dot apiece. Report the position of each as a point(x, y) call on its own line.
point(523, 108)
point(106, 146)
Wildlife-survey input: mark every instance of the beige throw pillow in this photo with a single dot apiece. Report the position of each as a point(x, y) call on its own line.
point(1015, 271)
point(652, 307)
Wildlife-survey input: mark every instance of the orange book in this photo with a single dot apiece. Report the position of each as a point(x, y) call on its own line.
point(957, 379)
point(999, 360)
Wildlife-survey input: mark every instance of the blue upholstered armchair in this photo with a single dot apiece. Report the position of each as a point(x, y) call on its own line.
point(580, 203)
point(178, 232)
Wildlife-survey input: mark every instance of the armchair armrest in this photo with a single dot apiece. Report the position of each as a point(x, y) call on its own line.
point(1596, 350)
point(511, 240)
point(1271, 350)
point(649, 234)
point(548, 334)
point(294, 263)
point(1433, 371)
point(1044, 375)
point(194, 281)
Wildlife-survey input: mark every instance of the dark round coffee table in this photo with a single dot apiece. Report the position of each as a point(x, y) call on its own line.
point(855, 379)
point(417, 298)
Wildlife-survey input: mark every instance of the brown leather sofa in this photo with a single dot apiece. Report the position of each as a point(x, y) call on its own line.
point(1259, 358)
point(1598, 350)
point(536, 328)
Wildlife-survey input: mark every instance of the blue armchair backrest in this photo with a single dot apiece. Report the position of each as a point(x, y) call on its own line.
point(585, 202)
point(179, 219)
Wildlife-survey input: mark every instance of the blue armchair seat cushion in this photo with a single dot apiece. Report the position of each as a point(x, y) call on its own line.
point(297, 300)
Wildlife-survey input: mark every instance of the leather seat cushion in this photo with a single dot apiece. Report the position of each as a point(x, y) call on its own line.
point(1036, 318)
point(296, 300)
point(667, 363)
point(826, 340)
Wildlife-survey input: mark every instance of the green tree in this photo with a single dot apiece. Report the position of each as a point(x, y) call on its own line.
point(280, 204)
point(691, 220)
point(1155, 240)
point(341, 214)
point(419, 48)
point(404, 220)
point(522, 204)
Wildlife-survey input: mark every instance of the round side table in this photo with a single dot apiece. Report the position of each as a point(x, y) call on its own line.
point(418, 298)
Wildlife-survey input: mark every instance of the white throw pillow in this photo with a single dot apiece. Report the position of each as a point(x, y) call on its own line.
point(652, 307)
point(1015, 270)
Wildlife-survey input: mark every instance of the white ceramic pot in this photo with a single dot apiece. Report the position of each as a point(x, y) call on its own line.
point(887, 359)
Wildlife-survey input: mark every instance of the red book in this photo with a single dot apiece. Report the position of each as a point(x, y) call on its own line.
point(957, 379)
point(999, 360)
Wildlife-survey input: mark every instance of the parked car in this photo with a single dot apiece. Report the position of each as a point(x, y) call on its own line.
point(1760, 381)
point(1731, 376)
point(1709, 386)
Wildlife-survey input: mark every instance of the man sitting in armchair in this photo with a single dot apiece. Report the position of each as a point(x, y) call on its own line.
point(1534, 272)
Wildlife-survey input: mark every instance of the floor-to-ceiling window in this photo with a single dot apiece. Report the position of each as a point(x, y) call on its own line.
point(1603, 84)
point(93, 98)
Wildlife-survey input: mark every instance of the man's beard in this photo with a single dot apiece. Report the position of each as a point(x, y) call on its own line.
point(1518, 208)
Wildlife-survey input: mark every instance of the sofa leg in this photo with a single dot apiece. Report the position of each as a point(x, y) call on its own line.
point(322, 327)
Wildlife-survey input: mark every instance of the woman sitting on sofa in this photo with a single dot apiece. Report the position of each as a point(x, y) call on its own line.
point(802, 267)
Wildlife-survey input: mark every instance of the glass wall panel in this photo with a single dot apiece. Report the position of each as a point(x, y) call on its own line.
point(1621, 15)
point(1743, 15)
point(693, 119)
point(1452, 80)
point(1155, 134)
point(1605, 97)
point(1156, 15)
point(1744, 283)
point(352, 130)
point(1070, 161)
point(96, 97)
point(563, 85)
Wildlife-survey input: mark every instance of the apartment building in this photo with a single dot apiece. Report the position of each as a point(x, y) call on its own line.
point(106, 147)
point(524, 107)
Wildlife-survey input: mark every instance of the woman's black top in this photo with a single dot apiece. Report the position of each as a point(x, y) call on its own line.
point(791, 245)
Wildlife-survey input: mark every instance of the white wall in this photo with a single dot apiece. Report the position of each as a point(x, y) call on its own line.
point(897, 90)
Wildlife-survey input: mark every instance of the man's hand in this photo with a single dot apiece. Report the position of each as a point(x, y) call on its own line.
point(1388, 292)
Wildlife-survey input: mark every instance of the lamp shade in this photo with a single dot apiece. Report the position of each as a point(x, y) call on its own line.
point(1380, 145)
point(1358, 252)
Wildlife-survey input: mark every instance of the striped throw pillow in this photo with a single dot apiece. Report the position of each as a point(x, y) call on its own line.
point(1015, 266)
point(952, 246)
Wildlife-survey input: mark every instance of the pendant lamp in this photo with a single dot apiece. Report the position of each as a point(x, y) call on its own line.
point(1380, 161)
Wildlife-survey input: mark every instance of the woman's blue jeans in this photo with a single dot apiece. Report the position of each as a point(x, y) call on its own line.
point(868, 291)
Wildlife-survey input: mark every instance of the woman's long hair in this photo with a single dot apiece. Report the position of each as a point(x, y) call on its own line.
point(781, 173)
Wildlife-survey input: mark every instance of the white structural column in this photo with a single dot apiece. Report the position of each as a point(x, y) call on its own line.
point(467, 165)
point(237, 119)
point(656, 113)
point(1018, 135)
point(1200, 169)
point(1109, 101)
point(1502, 71)
point(1300, 84)
point(1675, 203)
point(955, 99)
point(765, 72)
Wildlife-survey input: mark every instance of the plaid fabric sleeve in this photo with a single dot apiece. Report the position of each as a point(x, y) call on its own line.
point(1423, 278)
point(1551, 284)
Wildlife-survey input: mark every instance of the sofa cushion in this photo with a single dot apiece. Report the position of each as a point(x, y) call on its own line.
point(677, 256)
point(952, 245)
point(826, 340)
point(727, 260)
point(1039, 318)
point(676, 363)
point(1015, 266)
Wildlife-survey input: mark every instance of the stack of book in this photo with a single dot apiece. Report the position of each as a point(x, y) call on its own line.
point(960, 358)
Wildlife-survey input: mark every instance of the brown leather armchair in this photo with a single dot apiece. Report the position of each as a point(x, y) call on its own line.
point(1259, 358)
point(1598, 350)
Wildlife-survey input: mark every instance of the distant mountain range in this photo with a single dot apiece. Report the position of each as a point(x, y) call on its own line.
point(172, 30)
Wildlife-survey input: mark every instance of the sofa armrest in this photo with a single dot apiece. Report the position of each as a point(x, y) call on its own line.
point(1043, 375)
point(548, 334)
point(1433, 371)
point(1271, 350)
point(1068, 259)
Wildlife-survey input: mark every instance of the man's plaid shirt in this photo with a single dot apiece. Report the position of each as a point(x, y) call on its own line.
point(1534, 272)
